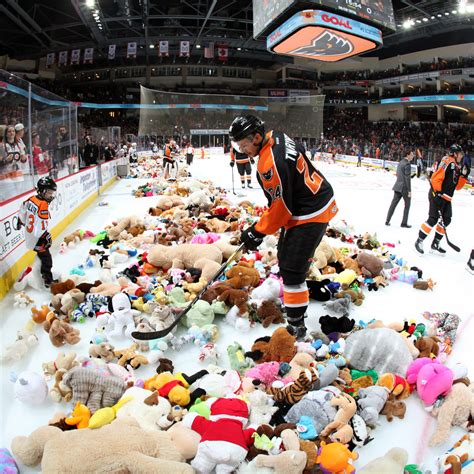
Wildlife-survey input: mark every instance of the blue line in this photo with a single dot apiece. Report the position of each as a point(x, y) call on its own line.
point(89, 105)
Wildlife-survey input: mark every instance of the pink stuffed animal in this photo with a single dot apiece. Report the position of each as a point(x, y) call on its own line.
point(431, 377)
point(206, 238)
point(267, 373)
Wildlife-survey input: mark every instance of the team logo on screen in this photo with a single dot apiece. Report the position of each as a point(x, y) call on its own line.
point(326, 44)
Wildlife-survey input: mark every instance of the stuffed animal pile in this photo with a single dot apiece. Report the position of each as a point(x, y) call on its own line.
point(277, 405)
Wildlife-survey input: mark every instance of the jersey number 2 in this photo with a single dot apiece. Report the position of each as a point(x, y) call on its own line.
point(313, 181)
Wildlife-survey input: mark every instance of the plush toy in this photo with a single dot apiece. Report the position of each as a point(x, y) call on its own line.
point(306, 429)
point(457, 409)
point(318, 290)
point(25, 340)
point(22, 300)
point(125, 228)
point(279, 347)
point(234, 297)
point(106, 415)
point(460, 458)
point(128, 357)
point(299, 362)
point(39, 315)
point(424, 284)
point(333, 324)
point(175, 388)
point(147, 408)
point(428, 346)
point(60, 332)
point(208, 354)
point(340, 306)
point(346, 277)
point(335, 458)
point(201, 314)
point(339, 429)
point(122, 446)
point(59, 392)
point(268, 372)
point(261, 408)
point(269, 290)
point(356, 297)
point(269, 313)
point(443, 325)
point(393, 462)
point(381, 349)
point(242, 275)
point(31, 276)
point(205, 257)
point(226, 425)
point(295, 391)
point(432, 379)
point(394, 408)
point(30, 388)
point(7, 462)
point(93, 390)
point(397, 386)
point(238, 360)
point(283, 463)
point(104, 351)
point(370, 403)
point(122, 315)
point(323, 255)
point(80, 417)
point(62, 361)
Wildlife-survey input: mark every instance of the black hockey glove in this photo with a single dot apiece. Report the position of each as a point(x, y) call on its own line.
point(18, 224)
point(251, 238)
point(438, 200)
point(232, 163)
point(44, 242)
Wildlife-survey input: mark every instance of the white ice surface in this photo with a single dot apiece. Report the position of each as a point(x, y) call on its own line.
point(363, 196)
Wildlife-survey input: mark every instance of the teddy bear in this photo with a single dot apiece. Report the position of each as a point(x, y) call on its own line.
point(31, 276)
point(261, 407)
point(394, 408)
point(370, 265)
point(121, 445)
point(242, 275)
point(279, 347)
point(121, 316)
point(456, 410)
point(295, 391)
point(269, 313)
point(356, 297)
point(225, 424)
point(62, 361)
point(128, 357)
point(393, 462)
point(269, 290)
point(25, 340)
point(428, 346)
point(350, 263)
point(124, 227)
point(370, 402)
point(62, 287)
point(65, 303)
point(323, 255)
point(104, 351)
point(22, 300)
point(340, 429)
point(282, 463)
point(60, 332)
point(60, 392)
point(205, 257)
point(234, 297)
point(93, 390)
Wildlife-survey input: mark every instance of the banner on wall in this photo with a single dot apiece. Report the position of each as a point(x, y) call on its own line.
point(50, 59)
point(112, 51)
point(75, 55)
point(163, 49)
point(88, 55)
point(132, 50)
point(184, 49)
point(62, 58)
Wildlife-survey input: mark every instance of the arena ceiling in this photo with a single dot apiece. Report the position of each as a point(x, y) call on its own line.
point(32, 28)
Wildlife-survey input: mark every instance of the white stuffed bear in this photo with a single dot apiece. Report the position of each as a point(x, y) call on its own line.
point(149, 417)
point(18, 349)
point(269, 290)
point(122, 316)
point(22, 300)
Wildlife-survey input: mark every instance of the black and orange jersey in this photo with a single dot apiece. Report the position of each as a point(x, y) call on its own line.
point(34, 213)
point(297, 193)
point(169, 152)
point(447, 178)
point(239, 158)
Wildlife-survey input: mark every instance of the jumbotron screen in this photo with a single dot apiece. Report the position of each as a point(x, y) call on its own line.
point(379, 12)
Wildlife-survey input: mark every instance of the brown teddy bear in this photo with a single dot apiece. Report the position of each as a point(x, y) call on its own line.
point(237, 298)
point(63, 361)
point(428, 346)
point(350, 264)
point(269, 313)
point(62, 287)
point(323, 255)
point(86, 287)
point(213, 292)
point(165, 365)
point(370, 265)
point(60, 332)
point(357, 297)
point(242, 275)
point(104, 351)
point(394, 408)
point(279, 347)
point(128, 356)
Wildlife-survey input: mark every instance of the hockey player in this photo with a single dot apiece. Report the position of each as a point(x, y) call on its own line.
point(189, 154)
point(34, 215)
point(243, 166)
point(300, 202)
point(170, 165)
point(448, 177)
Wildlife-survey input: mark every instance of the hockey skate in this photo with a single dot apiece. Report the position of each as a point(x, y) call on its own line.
point(419, 246)
point(470, 266)
point(437, 250)
point(299, 332)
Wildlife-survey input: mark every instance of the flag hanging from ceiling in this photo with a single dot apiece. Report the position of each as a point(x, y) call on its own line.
point(164, 48)
point(209, 50)
point(184, 48)
point(88, 55)
point(75, 55)
point(62, 58)
point(132, 50)
point(112, 49)
point(50, 59)
point(223, 52)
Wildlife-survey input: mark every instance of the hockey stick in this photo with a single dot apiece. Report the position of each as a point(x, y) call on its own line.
point(453, 246)
point(147, 336)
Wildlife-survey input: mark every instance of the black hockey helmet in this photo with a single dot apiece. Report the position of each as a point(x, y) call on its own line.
point(244, 126)
point(44, 184)
point(455, 148)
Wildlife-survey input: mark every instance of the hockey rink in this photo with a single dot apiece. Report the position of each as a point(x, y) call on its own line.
point(363, 196)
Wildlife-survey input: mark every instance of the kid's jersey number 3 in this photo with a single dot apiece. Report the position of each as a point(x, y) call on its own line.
point(313, 181)
point(31, 224)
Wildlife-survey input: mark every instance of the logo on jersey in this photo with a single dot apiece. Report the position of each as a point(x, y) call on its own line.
point(326, 44)
point(268, 175)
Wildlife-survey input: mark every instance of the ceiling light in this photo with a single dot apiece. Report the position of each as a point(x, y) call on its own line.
point(90, 3)
point(418, 21)
point(446, 13)
point(439, 15)
point(425, 19)
point(198, 46)
point(152, 46)
point(408, 24)
point(239, 49)
point(454, 12)
point(433, 17)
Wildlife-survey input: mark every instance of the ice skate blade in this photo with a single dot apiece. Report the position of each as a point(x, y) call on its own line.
point(435, 252)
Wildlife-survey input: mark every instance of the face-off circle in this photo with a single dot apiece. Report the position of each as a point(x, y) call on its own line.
point(324, 36)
